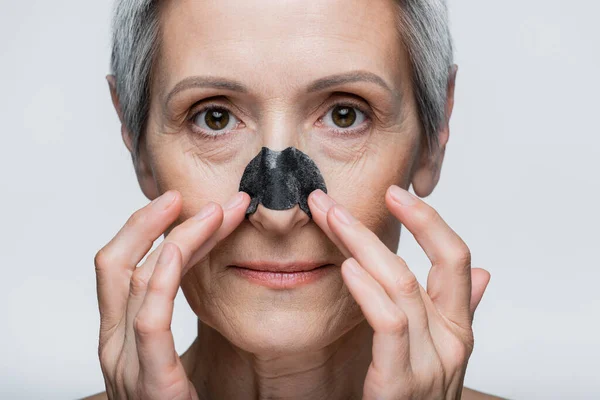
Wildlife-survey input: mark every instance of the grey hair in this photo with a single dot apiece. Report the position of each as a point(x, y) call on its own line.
point(422, 24)
point(135, 43)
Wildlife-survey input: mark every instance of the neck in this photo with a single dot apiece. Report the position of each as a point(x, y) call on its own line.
point(220, 370)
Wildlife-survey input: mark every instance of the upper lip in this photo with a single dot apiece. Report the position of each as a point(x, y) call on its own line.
point(271, 266)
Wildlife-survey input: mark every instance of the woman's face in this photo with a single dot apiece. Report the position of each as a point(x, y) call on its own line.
point(330, 78)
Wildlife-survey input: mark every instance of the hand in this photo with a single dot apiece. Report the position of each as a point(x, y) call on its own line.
point(422, 339)
point(136, 348)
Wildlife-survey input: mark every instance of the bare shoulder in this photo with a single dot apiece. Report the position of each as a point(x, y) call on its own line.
point(467, 394)
point(470, 394)
point(102, 396)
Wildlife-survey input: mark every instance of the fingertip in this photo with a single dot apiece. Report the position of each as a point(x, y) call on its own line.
point(389, 201)
point(246, 196)
point(319, 201)
point(178, 197)
point(216, 218)
point(315, 192)
point(312, 205)
point(352, 268)
point(483, 275)
point(219, 209)
point(336, 227)
point(167, 203)
point(235, 202)
point(487, 281)
point(166, 254)
point(246, 199)
point(330, 217)
point(208, 212)
point(403, 196)
point(167, 270)
point(173, 249)
point(174, 192)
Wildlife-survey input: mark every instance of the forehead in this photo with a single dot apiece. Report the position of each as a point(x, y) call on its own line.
point(276, 45)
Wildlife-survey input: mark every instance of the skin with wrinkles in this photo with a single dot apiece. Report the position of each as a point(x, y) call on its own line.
point(345, 335)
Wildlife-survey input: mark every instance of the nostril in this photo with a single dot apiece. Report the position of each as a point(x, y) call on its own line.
point(278, 222)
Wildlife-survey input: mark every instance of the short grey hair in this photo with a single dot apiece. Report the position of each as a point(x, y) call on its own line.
point(422, 24)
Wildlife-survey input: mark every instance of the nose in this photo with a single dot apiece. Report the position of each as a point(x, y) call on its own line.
point(278, 133)
point(278, 222)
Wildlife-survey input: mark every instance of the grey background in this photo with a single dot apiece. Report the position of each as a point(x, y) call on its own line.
point(519, 184)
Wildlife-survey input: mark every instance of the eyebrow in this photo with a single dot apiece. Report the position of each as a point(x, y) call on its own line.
point(318, 85)
point(348, 77)
point(205, 82)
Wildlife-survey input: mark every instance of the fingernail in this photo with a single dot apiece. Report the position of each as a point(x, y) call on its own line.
point(322, 201)
point(206, 211)
point(166, 255)
point(163, 201)
point(343, 215)
point(402, 196)
point(234, 201)
point(353, 266)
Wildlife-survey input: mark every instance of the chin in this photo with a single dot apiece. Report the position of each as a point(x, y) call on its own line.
point(271, 332)
point(285, 333)
point(266, 321)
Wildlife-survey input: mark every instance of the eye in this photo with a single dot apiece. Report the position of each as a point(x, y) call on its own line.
point(215, 119)
point(344, 116)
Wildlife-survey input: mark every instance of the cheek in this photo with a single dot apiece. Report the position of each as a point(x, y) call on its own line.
point(200, 174)
point(360, 181)
point(357, 173)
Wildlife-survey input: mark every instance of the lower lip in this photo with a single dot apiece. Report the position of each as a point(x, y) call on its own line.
point(283, 280)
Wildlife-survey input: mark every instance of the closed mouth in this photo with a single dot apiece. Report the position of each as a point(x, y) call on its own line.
point(281, 267)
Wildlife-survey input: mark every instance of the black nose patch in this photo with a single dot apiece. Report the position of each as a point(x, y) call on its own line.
point(281, 179)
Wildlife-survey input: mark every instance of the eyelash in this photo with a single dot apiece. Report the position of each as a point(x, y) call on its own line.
point(201, 132)
point(350, 132)
point(338, 132)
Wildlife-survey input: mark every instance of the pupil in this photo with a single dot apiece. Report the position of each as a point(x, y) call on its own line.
point(217, 119)
point(344, 116)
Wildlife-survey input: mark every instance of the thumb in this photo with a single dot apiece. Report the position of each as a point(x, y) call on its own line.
point(479, 281)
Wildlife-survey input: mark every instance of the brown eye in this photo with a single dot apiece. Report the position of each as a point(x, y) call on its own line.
point(343, 116)
point(215, 119)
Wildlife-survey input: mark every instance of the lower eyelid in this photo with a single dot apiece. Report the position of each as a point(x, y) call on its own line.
point(365, 126)
point(352, 133)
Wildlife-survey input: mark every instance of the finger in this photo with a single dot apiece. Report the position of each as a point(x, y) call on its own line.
point(389, 270)
point(194, 237)
point(449, 281)
point(193, 250)
point(391, 342)
point(360, 242)
point(480, 278)
point(154, 341)
point(319, 203)
point(190, 234)
point(234, 214)
point(116, 261)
